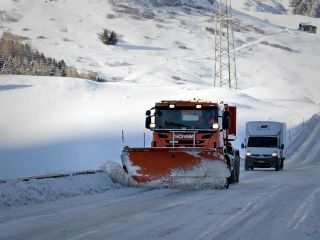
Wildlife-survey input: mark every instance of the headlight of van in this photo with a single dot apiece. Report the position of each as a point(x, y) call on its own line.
point(248, 154)
point(274, 154)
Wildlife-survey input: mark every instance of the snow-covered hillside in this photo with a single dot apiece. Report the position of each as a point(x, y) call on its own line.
point(52, 124)
point(268, 6)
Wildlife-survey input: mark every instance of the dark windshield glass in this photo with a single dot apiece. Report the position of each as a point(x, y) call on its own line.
point(270, 142)
point(186, 119)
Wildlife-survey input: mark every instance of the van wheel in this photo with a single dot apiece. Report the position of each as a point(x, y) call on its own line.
point(277, 165)
point(246, 166)
point(281, 164)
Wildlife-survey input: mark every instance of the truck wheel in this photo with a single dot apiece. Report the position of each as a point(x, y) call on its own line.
point(232, 179)
point(237, 169)
point(277, 165)
point(227, 183)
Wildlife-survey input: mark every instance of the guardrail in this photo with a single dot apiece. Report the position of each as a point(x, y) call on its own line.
point(54, 175)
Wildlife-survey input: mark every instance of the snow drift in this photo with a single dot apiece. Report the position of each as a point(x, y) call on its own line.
point(18, 192)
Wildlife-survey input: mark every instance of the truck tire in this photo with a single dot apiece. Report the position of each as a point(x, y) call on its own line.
point(232, 179)
point(237, 169)
point(227, 183)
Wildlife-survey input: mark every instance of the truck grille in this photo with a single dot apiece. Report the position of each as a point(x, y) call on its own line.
point(189, 143)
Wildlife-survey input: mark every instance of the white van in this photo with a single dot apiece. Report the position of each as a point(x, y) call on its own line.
point(265, 145)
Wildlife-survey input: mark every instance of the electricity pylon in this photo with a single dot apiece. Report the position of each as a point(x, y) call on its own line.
point(225, 61)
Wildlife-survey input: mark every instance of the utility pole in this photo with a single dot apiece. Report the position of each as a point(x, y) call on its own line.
point(225, 62)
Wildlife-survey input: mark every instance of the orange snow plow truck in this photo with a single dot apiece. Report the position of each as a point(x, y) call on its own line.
point(191, 145)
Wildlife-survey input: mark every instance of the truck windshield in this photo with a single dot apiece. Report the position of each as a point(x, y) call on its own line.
point(268, 142)
point(186, 118)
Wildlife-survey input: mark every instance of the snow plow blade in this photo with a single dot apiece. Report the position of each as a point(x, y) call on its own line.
point(175, 167)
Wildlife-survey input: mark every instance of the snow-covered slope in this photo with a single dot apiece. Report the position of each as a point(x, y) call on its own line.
point(59, 124)
point(269, 6)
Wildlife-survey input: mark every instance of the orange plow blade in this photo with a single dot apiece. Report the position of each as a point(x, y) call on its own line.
point(166, 167)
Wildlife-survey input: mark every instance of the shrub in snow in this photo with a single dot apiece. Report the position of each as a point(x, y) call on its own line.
point(108, 37)
point(277, 46)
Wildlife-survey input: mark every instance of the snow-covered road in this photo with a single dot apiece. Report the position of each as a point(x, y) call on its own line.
point(264, 205)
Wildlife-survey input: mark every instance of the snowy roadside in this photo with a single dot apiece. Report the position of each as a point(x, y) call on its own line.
point(18, 192)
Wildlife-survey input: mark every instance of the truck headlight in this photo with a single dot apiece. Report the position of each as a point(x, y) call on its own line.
point(274, 154)
point(215, 126)
point(248, 154)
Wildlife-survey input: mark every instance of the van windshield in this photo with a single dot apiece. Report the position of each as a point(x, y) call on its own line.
point(268, 142)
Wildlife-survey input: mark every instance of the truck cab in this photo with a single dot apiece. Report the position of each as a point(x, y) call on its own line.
point(265, 145)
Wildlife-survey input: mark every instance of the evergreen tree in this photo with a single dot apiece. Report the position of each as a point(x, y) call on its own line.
point(306, 7)
point(1, 62)
point(7, 66)
point(19, 58)
point(108, 38)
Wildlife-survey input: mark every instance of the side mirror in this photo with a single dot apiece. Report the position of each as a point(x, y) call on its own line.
point(226, 124)
point(243, 146)
point(226, 114)
point(148, 113)
point(148, 122)
point(282, 146)
point(226, 120)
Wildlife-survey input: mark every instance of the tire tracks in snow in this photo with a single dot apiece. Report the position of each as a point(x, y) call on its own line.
point(304, 210)
point(214, 231)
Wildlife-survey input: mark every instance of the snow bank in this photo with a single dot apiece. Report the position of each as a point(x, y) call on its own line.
point(117, 175)
point(305, 145)
point(18, 192)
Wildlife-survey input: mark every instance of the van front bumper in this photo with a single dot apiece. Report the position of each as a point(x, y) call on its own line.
point(263, 162)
